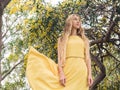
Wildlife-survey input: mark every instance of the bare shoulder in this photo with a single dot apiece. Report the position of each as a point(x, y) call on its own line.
point(87, 41)
point(59, 38)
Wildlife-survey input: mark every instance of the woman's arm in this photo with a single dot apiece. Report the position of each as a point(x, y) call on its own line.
point(60, 66)
point(88, 63)
point(88, 59)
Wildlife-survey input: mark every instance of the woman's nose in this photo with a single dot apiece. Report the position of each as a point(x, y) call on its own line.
point(78, 22)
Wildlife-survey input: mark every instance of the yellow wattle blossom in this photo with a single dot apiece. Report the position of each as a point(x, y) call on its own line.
point(33, 26)
point(37, 1)
point(48, 8)
point(29, 2)
point(14, 10)
point(33, 10)
point(25, 8)
point(47, 14)
point(55, 45)
point(12, 3)
point(50, 24)
point(39, 21)
point(26, 21)
point(81, 3)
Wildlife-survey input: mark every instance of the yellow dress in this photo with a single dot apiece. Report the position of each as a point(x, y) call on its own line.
point(42, 72)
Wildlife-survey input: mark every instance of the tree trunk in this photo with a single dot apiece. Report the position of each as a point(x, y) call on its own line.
point(3, 4)
point(101, 75)
point(1, 12)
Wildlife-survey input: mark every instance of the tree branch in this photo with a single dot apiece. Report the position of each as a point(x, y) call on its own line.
point(101, 75)
point(11, 69)
point(111, 55)
point(5, 2)
point(113, 69)
point(107, 37)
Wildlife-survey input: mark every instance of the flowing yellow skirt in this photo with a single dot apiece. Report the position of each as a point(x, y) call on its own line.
point(42, 73)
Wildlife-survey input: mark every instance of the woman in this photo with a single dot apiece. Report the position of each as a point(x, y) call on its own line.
point(73, 71)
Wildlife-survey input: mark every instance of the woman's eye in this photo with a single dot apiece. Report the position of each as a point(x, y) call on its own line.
point(75, 18)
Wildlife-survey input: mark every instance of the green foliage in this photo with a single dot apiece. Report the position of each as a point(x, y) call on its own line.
point(39, 24)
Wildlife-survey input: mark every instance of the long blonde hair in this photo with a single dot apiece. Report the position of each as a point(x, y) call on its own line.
point(66, 33)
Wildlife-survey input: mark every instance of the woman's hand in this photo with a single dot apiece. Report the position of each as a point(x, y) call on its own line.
point(62, 78)
point(90, 80)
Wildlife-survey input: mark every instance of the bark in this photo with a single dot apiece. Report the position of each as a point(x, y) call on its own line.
point(100, 65)
point(1, 12)
point(3, 4)
point(101, 75)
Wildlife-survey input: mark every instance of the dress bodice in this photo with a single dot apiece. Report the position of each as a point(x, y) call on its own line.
point(75, 47)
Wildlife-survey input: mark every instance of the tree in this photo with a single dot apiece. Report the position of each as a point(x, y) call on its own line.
point(41, 24)
point(3, 4)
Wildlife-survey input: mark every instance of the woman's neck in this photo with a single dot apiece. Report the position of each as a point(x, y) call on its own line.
point(74, 32)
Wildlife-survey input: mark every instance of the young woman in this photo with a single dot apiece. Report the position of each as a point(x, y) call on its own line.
point(73, 71)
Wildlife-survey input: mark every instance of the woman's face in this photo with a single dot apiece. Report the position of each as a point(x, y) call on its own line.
point(76, 22)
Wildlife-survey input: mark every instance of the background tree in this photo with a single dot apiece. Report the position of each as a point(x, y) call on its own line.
point(37, 23)
point(3, 4)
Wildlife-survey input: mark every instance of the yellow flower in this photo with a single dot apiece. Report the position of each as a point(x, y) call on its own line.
point(25, 8)
point(26, 21)
point(29, 2)
point(14, 10)
point(33, 10)
point(33, 26)
point(49, 8)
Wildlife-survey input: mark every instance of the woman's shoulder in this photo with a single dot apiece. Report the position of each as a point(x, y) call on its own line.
point(59, 38)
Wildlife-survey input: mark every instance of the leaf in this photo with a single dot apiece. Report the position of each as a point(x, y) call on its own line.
point(13, 57)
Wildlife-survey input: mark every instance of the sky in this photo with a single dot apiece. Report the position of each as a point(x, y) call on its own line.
point(54, 2)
